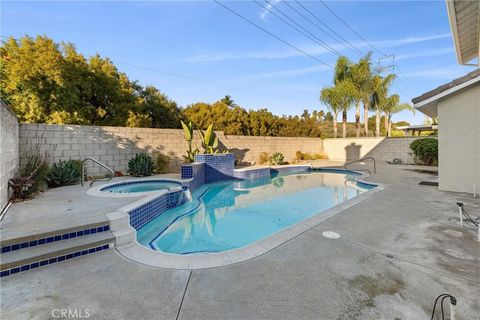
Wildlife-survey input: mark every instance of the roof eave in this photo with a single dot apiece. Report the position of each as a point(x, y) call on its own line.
point(452, 17)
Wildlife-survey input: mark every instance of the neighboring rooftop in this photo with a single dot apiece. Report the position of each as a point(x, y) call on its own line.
point(464, 21)
point(424, 102)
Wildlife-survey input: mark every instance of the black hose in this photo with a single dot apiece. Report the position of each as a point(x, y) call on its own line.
point(443, 296)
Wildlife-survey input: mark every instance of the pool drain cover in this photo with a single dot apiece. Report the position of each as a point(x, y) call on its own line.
point(330, 234)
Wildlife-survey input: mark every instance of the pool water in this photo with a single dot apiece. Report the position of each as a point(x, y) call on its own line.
point(141, 186)
point(229, 215)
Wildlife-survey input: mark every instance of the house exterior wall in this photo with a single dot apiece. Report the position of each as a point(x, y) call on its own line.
point(459, 141)
point(9, 155)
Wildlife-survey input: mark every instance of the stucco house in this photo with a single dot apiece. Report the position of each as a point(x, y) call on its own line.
point(457, 105)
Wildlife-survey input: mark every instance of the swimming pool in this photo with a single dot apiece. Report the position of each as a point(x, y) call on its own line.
point(141, 186)
point(232, 214)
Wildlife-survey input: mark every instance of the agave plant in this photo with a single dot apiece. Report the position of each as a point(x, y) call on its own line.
point(141, 165)
point(64, 173)
point(188, 135)
point(209, 140)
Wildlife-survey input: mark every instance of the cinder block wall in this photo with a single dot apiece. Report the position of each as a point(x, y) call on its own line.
point(382, 149)
point(114, 146)
point(9, 154)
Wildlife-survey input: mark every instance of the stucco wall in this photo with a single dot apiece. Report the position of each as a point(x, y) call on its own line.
point(116, 145)
point(459, 141)
point(382, 149)
point(9, 151)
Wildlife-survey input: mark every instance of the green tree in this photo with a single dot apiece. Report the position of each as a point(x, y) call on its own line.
point(394, 106)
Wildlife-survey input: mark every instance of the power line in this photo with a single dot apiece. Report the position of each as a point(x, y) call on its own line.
point(164, 72)
point(353, 30)
point(306, 33)
point(178, 75)
point(345, 42)
point(273, 35)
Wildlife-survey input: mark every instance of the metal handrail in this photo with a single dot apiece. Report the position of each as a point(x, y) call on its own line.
point(110, 176)
point(363, 159)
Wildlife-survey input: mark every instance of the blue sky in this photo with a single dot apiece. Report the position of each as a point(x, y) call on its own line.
point(201, 40)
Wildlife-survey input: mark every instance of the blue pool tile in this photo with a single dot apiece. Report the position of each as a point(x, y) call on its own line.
point(43, 263)
point(93, 230)
point(77, 254)
point(25, 268)
point(58, 238)
point(5, 273)
point(6, 249)
point(34, 265)
point(91, 250)
point(106, 228)
point(69, 256)
point(65, 236)
point(99, 229)
point(14, 270)
point(53, 260)
point(84, 252)
point(61, 258)
point(80, 233)
point(106, 246)
point(85, 232)
point(42, 241)
point(24, 245)
point(15, 247)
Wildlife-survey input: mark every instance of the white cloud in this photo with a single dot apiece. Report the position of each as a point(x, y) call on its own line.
point(265, 12)
point(436, 72)
point(311, 49)
point(282, 73)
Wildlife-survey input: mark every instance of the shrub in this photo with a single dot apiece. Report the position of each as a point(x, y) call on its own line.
point(299, 156)
point(141, 165)
point(425, 150)
point(32, 175)
point(263, 158)
point(276, 158)
point(161, 163)
point(64, 173)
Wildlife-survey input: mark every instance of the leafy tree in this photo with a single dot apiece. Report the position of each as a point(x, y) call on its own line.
point(393, 106)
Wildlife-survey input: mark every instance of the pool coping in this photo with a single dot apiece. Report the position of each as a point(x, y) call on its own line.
point(97, 191)
point(128, 246)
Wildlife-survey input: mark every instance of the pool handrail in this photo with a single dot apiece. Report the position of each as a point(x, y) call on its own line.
point(360, 160)
point(108, 178)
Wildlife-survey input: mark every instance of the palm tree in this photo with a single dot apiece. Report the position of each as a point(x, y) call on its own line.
point(328, 96)
point(393, 106)
point(361, 75)
point(338, 100)
point(363, 80)
point(379, 98)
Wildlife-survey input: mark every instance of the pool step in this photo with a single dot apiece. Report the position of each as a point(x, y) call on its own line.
point(30, 258)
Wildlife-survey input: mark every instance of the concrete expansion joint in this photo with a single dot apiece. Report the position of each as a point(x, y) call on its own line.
point(365, 247)
point(183, 296)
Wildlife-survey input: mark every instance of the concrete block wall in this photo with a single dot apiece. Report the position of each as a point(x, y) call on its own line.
point(114, 146)
point(9, 151)
point(382, 149)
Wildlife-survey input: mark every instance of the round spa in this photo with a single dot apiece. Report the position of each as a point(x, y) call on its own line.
point(142, 186)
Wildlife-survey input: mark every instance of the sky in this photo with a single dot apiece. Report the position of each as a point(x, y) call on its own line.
point(199, 51)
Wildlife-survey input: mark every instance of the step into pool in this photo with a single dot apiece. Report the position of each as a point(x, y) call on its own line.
point(233, 214)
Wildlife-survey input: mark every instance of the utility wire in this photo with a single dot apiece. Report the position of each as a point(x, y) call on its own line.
point(306, 33)
point(353, 30)
point(273, 35)
point(345, 42)
point(179, 75)
point(173, 74)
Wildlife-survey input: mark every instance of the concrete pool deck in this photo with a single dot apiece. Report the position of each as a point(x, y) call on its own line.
point(398, 251)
